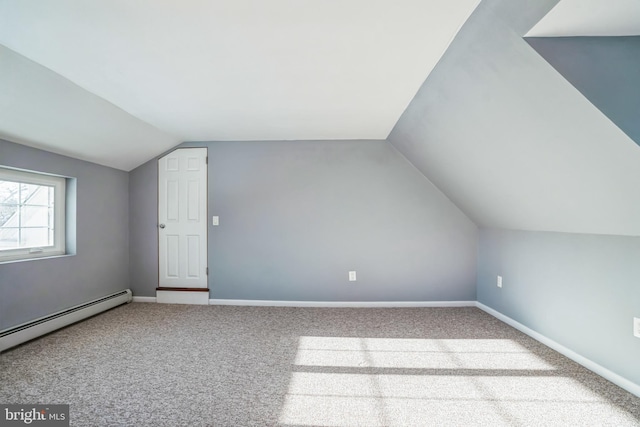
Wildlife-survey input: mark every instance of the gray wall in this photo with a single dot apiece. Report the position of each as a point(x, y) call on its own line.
point(143, 231)
point(580, 290)
point(296, 216)
point(511, 142)
point(35, 288)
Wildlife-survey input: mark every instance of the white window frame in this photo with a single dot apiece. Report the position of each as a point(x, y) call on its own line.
point(59, 234)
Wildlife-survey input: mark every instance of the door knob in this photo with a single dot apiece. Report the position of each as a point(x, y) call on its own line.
point(161, 225)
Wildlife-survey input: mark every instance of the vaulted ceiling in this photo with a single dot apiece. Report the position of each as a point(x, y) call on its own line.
point(511, 141)
point(595, 45)
point(159, 72)
point(571, 18)
point(520, 123)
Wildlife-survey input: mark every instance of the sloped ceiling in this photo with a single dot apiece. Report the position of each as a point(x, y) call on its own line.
point(589, 18)
point(217, 70)
point(42, 109)
point(595, 45)
point(606, 70)
point(512, 142)
point(500, 131)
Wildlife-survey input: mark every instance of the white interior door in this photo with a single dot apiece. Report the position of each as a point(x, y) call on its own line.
point(182, 218)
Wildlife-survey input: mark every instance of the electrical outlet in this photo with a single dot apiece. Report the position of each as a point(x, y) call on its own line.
point(499, 282)
point(636, 327)
point(352, 276)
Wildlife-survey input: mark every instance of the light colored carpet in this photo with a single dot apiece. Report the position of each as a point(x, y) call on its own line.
point(176, 365)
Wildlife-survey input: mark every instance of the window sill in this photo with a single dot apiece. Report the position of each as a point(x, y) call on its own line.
point(11, 261)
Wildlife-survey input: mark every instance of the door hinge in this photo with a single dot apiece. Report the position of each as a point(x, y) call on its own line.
point(206, 160)
point(207, 271)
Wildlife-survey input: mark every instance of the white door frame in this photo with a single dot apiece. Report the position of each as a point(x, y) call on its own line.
point(182, 227)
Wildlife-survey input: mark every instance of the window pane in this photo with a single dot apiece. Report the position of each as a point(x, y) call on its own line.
point(34, 237)
point(28, 217)
point(27, 191)
point(40, 196)
point(34, 216)
point(8, 192)
point(8, 238)
point(8, 217)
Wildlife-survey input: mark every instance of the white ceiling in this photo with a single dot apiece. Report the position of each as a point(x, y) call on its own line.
point(590, 18)
point(223, 70)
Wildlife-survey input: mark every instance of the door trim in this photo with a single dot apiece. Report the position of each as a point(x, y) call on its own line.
point(180, 295)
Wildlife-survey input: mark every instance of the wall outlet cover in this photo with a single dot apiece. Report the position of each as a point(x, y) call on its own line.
point(499, 281)
point(352, 276)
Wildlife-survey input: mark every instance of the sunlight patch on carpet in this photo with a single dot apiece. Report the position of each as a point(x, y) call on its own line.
point(417, 353)
point(344, 381)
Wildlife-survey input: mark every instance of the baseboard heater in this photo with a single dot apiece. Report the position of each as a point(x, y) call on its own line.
point(27, 331)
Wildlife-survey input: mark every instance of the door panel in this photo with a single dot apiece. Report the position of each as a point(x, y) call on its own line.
point(193, 201)
point(182, 218)
point(172, 256)
point(193, 250)
point(173, 201)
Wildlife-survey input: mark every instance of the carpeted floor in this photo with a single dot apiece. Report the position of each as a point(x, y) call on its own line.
point(176, 365)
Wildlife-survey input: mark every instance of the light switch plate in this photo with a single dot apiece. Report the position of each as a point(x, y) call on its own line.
point(499, 281)
point(215, 220)
point(352, 276)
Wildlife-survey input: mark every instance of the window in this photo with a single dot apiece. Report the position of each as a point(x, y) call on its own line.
point(32, 215)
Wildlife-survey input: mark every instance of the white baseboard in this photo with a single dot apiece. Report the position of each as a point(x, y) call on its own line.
point(144, 299)
point(618, 380)
point(351, 304)
point(182, 297)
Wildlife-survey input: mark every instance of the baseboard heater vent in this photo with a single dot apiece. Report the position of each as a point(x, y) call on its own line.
point(27, 331)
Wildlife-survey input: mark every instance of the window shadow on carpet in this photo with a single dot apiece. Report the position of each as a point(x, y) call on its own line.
point(383, 381)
